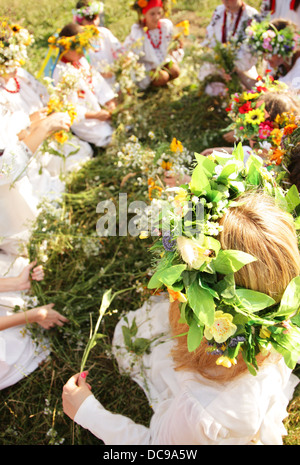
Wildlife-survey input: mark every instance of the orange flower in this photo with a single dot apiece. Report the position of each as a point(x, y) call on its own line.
point(289, 129)
point(166, 165)
point(277, 156)
point(176, 296)
point(276, 136)
point(61, 137)
point(142, 3)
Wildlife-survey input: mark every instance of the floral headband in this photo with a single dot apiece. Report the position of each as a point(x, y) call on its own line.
point(197, 273)
point(14, 41)
point(78, 42)
point(263, 39)
point(94, 8)
point(250, 121)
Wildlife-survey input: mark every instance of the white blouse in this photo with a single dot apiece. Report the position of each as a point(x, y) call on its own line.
point(188, 408)
point(93, 94)
point(152, 57)
point(282, 10)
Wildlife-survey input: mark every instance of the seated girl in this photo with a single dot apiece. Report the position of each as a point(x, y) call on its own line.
point(222, 318)
point(106, 47)
point(94, 99)
point(151, 39)
point(228, 25)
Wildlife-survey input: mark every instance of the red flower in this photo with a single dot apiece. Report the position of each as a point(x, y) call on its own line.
point(245, 108)
point(261, 89)
point(228, 108)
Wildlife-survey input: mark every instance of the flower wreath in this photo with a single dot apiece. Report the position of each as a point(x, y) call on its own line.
point(79, 42)
point(263, 39)
point(94, 8)
point(14, 40)
point(197, 273)
point(250, 121)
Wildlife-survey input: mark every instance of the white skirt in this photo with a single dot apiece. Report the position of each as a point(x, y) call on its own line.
point(19, 354)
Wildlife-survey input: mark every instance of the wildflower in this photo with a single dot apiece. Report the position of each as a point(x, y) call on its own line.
point(277, 155)
point(222, 327)
point(245, 108)
point(193, 252)
point(276, 135)
point(176, 295)
point(226, 361)
point(168, 242)
point(265, 129)
point(289, 129)
point(250, 95)
point(61, 137)
point(144, 235)
point(256, 116)
point(264, 333)
point(176, 145)
point(142, 3)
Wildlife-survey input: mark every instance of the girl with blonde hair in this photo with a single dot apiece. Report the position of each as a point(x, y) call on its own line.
point(217, 369)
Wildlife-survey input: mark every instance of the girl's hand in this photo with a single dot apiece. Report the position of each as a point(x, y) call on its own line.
point(46, 316)
point(56, 122)
point(24, 279)
point(103, 115)
point(75, 391)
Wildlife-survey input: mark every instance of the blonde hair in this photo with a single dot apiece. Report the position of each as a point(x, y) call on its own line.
point(258, 227)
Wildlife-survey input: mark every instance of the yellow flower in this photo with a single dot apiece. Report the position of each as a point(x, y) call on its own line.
point(61, 137)
point(166, 165)
point(144, 235)
point(180, 197)
point(193, 252)
point(221, 329)
point(226, 361)
point(185, 25)
point(264, 333)
point(276, 135)
point(176, 295)
point(249, 96)
point(176, 145)
point(255, 116)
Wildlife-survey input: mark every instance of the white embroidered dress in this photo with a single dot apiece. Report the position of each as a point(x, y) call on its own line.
point(189, 409)
point(292, 78)
point(282, 10)
point(105, 51)
point(19, 354)
point(94, 93)
point(139, 42)
point(245, 62)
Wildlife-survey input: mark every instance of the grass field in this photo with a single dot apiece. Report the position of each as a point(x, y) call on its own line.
point(80, 267)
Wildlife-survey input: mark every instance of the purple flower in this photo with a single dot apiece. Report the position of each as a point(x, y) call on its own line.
point(235, 340)
point(168, 242)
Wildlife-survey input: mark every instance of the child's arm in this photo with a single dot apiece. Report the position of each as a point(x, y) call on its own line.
point(45, 316)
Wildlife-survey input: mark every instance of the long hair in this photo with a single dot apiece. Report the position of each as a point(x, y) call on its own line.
point(258, 227)
point(277, 103)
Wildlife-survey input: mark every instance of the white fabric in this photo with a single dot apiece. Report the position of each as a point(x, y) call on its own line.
point(189, 409)
point(292, 78)
point(105, 51)
point(19, 354)
point(282, 10)
point(244, 61)
point(32, 97)
point(151, 57)
point(91, 98)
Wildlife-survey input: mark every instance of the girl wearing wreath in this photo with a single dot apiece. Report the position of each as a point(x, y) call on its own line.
point(223, 317)
point(151, 39)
